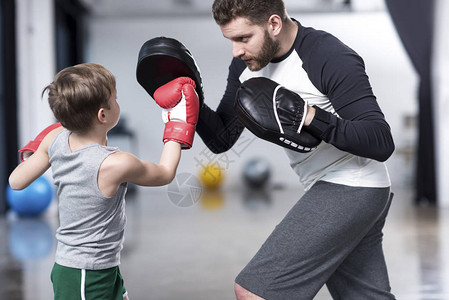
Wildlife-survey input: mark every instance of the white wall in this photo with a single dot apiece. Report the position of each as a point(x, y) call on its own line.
point(441, 97)
point(115, 43)
point(36, 65)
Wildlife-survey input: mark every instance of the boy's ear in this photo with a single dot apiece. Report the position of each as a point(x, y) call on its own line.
point(101, 115)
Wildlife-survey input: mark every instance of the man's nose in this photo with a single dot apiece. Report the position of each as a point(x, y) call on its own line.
point(237, 50)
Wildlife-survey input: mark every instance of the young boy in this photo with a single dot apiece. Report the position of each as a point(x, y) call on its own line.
point(91, 177)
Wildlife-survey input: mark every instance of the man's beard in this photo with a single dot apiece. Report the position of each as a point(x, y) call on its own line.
point(269, 50)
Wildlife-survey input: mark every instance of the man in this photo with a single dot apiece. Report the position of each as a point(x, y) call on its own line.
point(333, 234)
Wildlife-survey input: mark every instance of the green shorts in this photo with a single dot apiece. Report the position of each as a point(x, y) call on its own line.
point(80, 284)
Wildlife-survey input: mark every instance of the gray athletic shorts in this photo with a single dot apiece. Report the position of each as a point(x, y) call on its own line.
point(332, 236)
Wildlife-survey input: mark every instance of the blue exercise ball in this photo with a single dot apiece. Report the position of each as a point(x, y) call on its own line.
point(256, 172)
point(32, 200)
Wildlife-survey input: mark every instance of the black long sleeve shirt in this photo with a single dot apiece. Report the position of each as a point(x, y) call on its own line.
point(329, 75)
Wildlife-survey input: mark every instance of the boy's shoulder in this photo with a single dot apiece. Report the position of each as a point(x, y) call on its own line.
point(119, 165)
point(120, 160)
point(49, 138)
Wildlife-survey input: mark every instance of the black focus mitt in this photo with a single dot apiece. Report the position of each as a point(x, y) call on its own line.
point(163, 59)
point(275, 114)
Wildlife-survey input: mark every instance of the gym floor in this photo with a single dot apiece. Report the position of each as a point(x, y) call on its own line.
point(195, 252)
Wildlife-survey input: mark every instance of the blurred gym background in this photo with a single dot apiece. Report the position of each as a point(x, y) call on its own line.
point(187, 240)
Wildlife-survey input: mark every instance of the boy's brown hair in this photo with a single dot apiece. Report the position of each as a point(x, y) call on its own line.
point(78, 92)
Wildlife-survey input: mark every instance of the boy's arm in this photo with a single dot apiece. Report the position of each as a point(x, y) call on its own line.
point(33, 167)
point(125, 167)
point(28, 150)
point(162, 173)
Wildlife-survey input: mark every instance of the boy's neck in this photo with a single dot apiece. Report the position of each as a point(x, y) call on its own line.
point(78, 140)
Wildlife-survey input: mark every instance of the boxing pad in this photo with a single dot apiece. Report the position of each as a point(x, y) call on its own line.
point(32, 146)
point(275, 114)
point(163, 59)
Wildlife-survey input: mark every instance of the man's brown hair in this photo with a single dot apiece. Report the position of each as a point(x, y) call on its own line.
point(257, 11)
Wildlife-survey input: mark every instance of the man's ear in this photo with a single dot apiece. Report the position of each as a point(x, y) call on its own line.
point(101, 115)
point(275, 24)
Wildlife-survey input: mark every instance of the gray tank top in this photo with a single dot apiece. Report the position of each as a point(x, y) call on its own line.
point(91, 230)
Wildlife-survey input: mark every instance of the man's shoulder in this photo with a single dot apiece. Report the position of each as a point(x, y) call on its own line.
point(320, 44)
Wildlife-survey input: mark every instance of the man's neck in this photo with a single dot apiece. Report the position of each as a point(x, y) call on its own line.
point(288, 36)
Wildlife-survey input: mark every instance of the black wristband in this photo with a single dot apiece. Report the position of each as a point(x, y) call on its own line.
point(320, 122)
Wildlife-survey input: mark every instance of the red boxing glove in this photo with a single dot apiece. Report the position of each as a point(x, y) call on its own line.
point(180, 104)
point(32, 146)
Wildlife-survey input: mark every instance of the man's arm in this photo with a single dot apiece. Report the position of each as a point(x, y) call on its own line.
point(220, 129)
point(360, 127)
